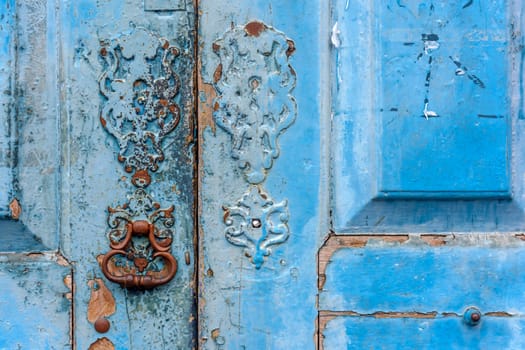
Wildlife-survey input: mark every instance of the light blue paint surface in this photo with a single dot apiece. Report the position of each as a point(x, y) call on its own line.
point(449, 333)
point(425, 279)
point(34, 310)
point(383, 145)
point(444, 59)
point(6, 106)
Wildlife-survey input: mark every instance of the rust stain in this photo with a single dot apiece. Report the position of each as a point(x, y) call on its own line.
point(15, 208)
point(336, 242)
point(102, 344)
point(101, 303)
point(254, 28)
point(521, 236)
point(435, 240)
point(218, 73)
point(141, 178)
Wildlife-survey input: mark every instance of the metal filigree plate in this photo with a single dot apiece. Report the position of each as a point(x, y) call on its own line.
point(139, 88)
point(254, 83)
point(257, 223)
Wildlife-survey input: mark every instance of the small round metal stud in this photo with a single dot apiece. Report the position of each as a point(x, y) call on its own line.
point(472, 316)
point(102, 325)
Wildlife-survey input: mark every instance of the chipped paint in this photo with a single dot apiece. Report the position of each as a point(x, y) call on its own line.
point(102, 344)
point(336, 242)
point(335, 38)
point(436, 240)
point(15, 209)
point(101, 302)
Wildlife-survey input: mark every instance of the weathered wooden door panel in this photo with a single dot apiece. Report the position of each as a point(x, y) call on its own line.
point(36, 302)
point(411, 274)
point(395, 162)
point(126, 70)
point(260, 141)
point(427, 190)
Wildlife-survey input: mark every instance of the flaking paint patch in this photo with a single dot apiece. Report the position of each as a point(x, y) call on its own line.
point(215, 333)
point(68, 282)
point(207, 95)
point(15, 209)
point(101, 302)
point(436, 240)
point(336, 242)
point(102, 344)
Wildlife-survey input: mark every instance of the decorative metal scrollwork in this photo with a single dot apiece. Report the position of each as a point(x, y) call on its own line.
point(257, 223)
point(139, 86)
point(254, 83)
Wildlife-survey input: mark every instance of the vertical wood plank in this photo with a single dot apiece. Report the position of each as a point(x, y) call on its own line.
point(93, 179)
point(251, 297)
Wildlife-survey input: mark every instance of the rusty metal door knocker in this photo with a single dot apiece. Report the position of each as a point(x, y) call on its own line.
point(141, 260)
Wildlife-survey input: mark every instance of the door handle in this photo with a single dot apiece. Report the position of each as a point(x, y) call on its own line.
point(125, 252)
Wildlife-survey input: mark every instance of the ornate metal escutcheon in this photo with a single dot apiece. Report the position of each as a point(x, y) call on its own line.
point(139, 88)
point(254, 82)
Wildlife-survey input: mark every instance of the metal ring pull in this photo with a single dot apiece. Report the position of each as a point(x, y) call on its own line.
point(132, 265)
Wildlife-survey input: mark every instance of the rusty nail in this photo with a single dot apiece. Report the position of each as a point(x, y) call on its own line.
point(102, 325)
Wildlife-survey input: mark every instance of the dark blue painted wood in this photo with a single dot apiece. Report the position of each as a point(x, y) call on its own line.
point(15, 237)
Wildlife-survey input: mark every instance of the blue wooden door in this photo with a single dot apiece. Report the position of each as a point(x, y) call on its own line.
point(180, 174)
point(360, 180)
